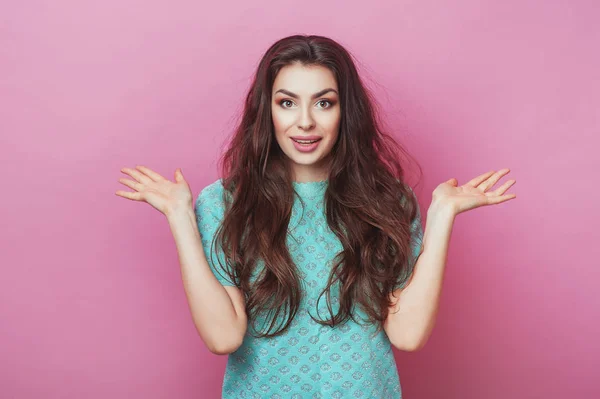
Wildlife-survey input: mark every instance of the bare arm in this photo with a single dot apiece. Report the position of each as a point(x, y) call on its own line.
point(218, 312)
point(412, 318)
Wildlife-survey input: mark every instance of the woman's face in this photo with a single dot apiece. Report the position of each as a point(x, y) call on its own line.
point(305, 106)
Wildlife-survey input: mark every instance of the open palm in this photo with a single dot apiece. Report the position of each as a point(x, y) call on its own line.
point(162, 194)
point(474, 193)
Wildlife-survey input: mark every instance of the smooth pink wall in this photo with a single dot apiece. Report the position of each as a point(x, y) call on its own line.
point(91, 300)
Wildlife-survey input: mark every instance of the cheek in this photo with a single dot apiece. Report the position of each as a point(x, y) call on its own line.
point(333, 127)
point(332, 121)
point(280, 127)
point(274, 114)
point(280, 123)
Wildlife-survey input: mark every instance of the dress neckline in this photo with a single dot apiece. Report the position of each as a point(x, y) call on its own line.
point(310, 187)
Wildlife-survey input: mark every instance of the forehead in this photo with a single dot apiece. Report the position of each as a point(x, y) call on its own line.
point(304, 80)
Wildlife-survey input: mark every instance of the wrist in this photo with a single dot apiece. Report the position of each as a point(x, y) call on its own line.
point(179, 213)
point(439, 209)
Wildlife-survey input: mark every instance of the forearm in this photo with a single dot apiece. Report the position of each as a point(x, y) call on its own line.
point(417, 305)
point(217, 321)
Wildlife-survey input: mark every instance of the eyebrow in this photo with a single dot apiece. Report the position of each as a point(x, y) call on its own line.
point(293, 95)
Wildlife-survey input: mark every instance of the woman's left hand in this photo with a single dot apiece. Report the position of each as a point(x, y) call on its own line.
point(474, 193)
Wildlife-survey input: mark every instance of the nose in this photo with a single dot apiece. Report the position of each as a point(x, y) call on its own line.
point(306, 121)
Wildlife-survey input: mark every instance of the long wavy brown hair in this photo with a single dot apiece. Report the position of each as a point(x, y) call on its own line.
point(368, 205)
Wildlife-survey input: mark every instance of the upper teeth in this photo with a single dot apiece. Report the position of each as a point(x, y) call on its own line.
point(306, 141)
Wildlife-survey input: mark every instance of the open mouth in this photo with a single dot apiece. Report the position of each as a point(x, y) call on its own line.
point(306, 142)
point(305, 146)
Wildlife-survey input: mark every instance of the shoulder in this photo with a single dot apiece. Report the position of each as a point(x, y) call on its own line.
point(213, 192)
point(210, 200)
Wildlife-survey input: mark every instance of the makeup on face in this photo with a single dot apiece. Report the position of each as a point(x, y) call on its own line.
point(306, 116)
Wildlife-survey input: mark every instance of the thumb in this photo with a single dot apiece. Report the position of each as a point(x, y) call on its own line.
point(178, 175)
point(452, 181)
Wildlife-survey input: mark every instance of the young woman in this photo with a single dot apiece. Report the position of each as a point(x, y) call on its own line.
point(306, 262)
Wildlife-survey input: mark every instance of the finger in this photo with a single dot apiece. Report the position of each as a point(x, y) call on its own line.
point(131, 184)
point(132, 196)
point(489, 183)
point(477, 181)
point(502, 189)
point(152, 174)
point(501, 198)
point(137, 175)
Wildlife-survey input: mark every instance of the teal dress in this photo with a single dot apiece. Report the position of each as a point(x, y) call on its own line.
point(309, 360)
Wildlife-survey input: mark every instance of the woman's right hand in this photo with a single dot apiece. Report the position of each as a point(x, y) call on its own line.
point(164, 195)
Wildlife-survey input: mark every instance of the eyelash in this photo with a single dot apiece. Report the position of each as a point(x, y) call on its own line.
point(320, 101)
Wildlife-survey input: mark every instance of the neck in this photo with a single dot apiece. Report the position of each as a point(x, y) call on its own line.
point(310, 173)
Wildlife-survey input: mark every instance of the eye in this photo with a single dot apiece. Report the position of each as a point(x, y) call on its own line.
point(326, 101)
point(329, 103)
point(284, 101)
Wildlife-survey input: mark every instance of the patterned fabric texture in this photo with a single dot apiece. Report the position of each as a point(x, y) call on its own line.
point(309, 360)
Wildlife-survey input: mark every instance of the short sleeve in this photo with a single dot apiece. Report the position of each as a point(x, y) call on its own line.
point(209, 209)
point(416, 243)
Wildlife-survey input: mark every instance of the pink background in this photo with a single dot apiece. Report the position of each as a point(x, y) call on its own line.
point(91, 299)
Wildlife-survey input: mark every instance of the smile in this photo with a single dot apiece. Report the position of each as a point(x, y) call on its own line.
point(305, 145)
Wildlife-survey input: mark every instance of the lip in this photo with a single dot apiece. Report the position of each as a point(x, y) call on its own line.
point(306, 137)
point(306, 148)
